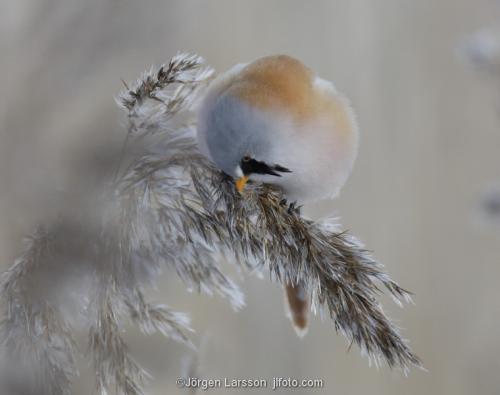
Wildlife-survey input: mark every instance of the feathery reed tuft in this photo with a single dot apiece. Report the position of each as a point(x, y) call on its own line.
point(170, 208)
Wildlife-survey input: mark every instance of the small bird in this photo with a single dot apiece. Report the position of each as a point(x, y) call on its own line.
point(274, 121)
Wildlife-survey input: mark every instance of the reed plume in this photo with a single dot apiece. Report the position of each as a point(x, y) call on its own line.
point(168, 207)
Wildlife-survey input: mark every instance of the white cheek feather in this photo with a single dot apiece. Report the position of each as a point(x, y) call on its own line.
point(238, 172)
point(325, 86)
point(326, 157)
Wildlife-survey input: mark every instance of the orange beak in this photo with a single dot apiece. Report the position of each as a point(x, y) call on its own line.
point(240, 183)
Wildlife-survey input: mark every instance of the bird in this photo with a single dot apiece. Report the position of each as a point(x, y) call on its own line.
point(275, 121)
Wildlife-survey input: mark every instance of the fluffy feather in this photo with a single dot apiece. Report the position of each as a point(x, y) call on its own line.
point(277, 111)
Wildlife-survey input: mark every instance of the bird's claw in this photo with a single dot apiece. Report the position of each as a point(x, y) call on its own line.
point(294, 209)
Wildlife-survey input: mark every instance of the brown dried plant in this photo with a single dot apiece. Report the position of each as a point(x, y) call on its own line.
point(169, 207)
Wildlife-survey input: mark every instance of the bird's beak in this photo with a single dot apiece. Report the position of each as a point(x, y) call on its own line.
point(240, 183)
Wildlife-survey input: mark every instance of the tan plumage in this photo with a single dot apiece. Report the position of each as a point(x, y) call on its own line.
point(277, 83)
point(281, 83)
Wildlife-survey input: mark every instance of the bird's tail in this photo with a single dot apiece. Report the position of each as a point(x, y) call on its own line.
point(299, 304)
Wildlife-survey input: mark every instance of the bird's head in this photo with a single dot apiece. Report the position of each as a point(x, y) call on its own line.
point(250, 167)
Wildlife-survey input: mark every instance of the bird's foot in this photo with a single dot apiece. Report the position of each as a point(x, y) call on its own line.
point(293, 208)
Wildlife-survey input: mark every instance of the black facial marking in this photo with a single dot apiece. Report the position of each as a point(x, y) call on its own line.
point(281, 169)
point(251, 166)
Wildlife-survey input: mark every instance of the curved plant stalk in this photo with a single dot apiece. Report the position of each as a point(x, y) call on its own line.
point(167, 207)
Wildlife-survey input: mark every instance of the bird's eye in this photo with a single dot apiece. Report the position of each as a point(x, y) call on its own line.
point(246, 158)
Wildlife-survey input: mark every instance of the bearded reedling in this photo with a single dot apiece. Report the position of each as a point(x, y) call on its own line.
point(274, 121)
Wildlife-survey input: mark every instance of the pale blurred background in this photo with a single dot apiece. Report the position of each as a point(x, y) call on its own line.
point(430, 148)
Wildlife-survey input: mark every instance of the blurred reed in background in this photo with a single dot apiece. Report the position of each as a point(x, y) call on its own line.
point(429, 153)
